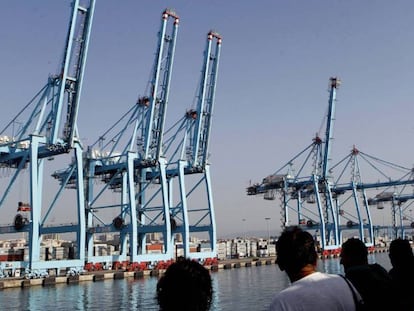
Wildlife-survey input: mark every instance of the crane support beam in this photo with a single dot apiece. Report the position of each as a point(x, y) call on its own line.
point(187, 150)
point(128, 159)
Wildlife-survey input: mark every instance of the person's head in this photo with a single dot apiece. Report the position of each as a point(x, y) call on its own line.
point(295, 250)
point(401, 253)
point(353, 253)
point(186, 285)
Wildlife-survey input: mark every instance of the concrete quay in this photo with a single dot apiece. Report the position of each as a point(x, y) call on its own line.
point(103, 275)
point(337, 252)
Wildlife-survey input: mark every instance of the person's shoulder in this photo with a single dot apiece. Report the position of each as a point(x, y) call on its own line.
point(319, 277)
point(322, 276)
point(358, 271)
point(378, 267)
point(367, 271)
point(380, 271)
point(311, 277)
point(289, 298)
point(283, 295)
point(333, 280)
point(278, 302)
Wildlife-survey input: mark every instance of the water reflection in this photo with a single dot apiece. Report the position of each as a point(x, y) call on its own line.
point(330, 266)
point(334, 266)
point(247, 288)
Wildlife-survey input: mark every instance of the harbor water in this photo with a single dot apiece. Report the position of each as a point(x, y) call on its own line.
point(246, 288)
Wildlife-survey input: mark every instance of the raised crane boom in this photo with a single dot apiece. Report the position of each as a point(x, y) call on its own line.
point(62, 90)
point(334, 84)
point(206, 99)
point(141, 128)
point(188, 139)
point(73, 67)
point(153, 127)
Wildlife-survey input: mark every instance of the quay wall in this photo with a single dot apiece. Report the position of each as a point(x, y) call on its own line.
point(103, 275)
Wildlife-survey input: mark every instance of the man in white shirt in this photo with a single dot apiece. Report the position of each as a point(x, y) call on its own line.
point(310, 290)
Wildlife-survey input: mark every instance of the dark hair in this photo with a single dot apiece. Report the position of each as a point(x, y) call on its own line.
point(356, 251)
point(401, 253)
point(185, 286)
point(295, 249)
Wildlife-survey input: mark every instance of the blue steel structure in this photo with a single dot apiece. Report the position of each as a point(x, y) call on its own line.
point(299, 192)
point(322, 200)
point(126, 161)
point(187, 149)
point(400, 212)
point(48, 132)
point(392, 188)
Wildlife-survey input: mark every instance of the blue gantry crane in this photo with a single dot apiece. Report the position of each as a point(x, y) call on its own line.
point(127, 165)
point(47, 130)
point(400, 211)
point(127, 162)
point(152, 189)
point(187, 149)
point(307, 190)
point(391, 184)
point(326, 198)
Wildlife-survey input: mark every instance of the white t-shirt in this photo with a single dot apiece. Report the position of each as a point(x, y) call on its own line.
point(315, 292)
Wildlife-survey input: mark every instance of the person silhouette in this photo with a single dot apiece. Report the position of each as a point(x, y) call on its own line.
point(185, 286)
point(310, 290)
point(402, 271)
point(371, 280)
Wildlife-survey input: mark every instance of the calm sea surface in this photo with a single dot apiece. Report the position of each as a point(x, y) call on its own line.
point(235, 289)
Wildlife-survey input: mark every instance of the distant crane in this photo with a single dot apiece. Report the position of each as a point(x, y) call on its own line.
point(398, 213)
point(334, 198)
point(49, 132)
point(358, 191)
point(298, 192)
point(188, 149)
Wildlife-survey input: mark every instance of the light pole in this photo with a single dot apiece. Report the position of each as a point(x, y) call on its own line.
point(245, 243)
point(244, 228)
point(268, 233)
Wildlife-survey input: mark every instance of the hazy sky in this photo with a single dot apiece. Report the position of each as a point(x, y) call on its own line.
point(276, 60)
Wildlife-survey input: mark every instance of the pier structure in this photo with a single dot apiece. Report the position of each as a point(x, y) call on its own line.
point(120, 274)
point(187, 150)
point(329, 198)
